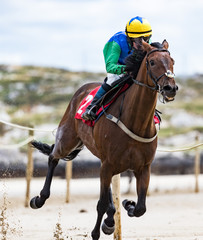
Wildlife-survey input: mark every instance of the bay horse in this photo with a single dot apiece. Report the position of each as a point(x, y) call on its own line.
point(117, 150)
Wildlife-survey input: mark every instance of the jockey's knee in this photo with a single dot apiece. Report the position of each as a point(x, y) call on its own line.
point(106, 86)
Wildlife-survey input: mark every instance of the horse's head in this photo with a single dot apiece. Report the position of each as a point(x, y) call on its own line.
point(159, 66)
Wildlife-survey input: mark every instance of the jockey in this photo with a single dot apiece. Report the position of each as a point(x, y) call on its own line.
point(115, 51)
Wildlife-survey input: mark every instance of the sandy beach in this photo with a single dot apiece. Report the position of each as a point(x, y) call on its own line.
point(174, 211)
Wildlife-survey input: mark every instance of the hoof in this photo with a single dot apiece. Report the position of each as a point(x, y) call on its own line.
point(128, 203)
point(33, 203)
point(140, 212)
point(106, 229)
point(129, 207)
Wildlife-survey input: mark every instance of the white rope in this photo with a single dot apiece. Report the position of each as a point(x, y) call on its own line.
point(18, 145)
point(180, 149)
point(147, 140)
point(25, 128)
point(26, 141)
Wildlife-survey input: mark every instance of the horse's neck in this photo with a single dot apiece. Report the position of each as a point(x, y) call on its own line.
point(141, 103)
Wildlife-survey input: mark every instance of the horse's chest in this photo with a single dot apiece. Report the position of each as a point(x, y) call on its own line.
point(139, 156)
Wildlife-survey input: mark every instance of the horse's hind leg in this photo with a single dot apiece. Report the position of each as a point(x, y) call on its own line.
point(38, 202)
point(108, 226)
point(67, 147)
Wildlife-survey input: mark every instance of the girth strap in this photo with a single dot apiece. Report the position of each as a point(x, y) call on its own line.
point(129, 133)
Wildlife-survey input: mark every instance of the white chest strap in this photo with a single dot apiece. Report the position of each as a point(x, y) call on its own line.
point(129, 133)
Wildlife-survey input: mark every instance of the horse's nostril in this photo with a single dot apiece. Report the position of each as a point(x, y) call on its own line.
point(167, 88)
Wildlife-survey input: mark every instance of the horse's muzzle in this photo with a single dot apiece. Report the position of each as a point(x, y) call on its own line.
point(169, 92)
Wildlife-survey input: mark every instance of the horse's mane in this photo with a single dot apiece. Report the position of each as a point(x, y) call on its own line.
point(157, 45)
point(134, 60)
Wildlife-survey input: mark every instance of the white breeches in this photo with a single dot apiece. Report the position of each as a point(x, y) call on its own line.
point(111, 78)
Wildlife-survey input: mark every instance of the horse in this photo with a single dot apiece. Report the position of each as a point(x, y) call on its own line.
point(116, 148)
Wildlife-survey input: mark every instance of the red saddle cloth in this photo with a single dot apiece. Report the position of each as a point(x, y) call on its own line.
point(156, 120)
point(84, 104)
point(87, 100)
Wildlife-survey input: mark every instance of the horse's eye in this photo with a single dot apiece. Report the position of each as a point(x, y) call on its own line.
point(152, 63)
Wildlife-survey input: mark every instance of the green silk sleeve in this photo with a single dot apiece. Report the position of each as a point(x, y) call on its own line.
point(111, 55)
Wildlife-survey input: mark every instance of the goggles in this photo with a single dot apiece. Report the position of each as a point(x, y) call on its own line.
point(139, 39)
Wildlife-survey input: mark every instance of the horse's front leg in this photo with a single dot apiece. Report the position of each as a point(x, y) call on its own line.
point(142, 187)
point(38, 201)
point(103, 203)
point(139, 209)
point(108, 226)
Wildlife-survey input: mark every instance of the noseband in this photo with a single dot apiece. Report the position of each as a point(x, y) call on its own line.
point(155, 80)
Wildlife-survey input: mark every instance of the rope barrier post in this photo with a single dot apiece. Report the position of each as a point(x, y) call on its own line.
point(197, 165)
point(116, 200)
point(68, 178)
point(29, 170)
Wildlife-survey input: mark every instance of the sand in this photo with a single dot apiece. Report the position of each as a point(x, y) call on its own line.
point(174, 211)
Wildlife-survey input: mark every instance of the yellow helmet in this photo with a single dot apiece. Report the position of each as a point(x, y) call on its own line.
point(138, 27)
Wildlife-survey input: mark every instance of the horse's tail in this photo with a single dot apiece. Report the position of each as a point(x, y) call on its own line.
point(43, 147)
point(47, 149)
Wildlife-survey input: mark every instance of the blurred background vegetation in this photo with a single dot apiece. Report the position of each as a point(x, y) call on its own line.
point(31, 95)
point(37, 95)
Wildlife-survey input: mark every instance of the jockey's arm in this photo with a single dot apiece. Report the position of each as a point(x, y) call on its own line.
point(112, 53)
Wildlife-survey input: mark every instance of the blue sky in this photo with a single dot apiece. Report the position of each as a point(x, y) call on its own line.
point(72, 33)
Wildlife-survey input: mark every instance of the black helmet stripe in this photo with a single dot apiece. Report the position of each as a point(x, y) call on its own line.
point(139, 32)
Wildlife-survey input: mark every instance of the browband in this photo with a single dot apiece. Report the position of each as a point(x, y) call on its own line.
point(157, 50)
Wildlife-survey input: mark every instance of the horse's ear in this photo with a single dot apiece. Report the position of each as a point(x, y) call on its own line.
point(146, 46)
point(165, 44)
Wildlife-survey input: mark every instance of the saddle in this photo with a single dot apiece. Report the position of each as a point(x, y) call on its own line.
point(104, 103)
point(118, 87)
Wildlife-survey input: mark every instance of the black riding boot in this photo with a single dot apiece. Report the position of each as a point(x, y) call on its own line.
point(91, 110)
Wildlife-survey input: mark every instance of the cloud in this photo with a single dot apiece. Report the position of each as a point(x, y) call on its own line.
point(14, 58)
point(72, 33)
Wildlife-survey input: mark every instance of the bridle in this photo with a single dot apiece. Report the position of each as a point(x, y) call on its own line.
point(154, 79)
point(156, 87)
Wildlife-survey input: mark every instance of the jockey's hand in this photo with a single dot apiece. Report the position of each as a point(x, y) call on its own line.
point(137, 44)
point(139, 54)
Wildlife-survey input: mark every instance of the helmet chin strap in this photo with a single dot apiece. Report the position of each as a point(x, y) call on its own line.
point(129, 40)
